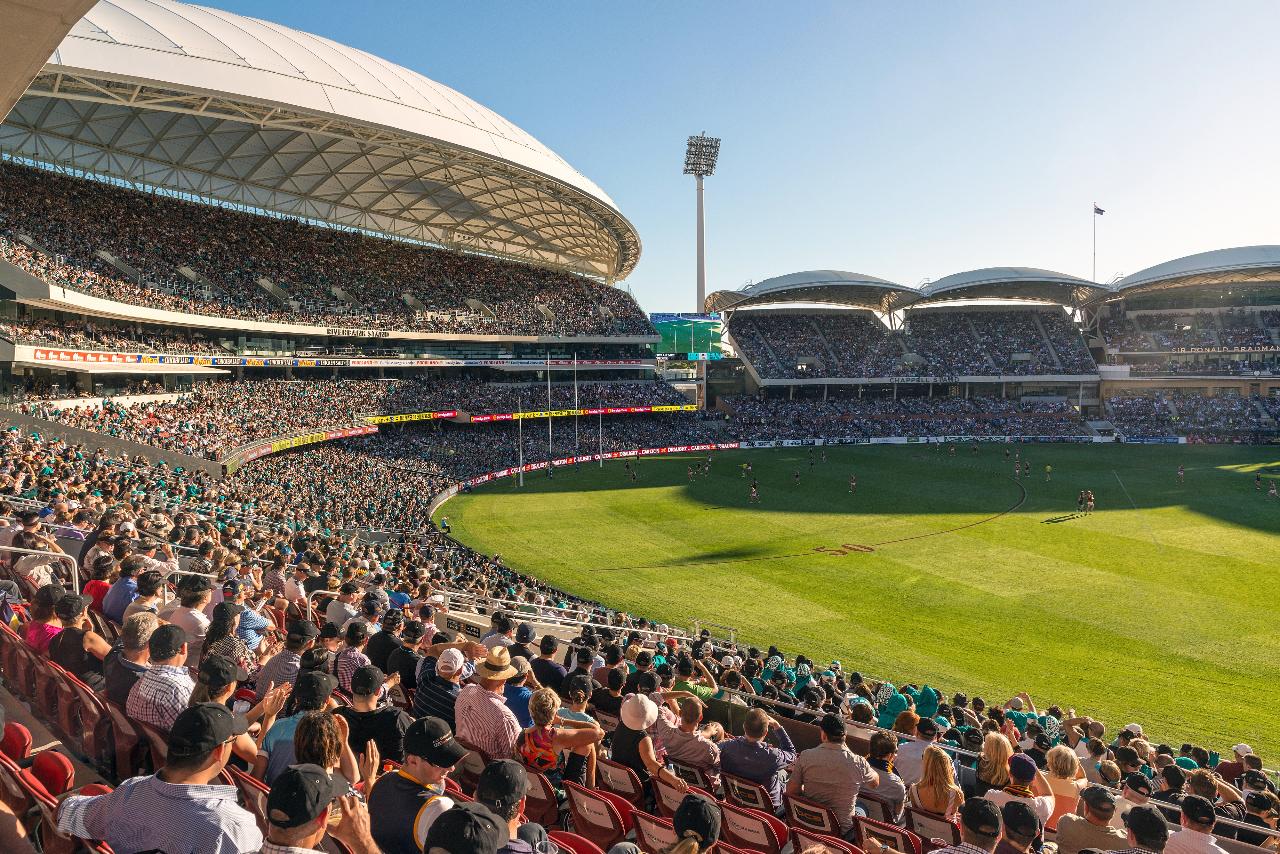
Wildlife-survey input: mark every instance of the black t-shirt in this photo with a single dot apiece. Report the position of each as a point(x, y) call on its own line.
point(381, 645)
point(603, 701)
point(404, 660)
point(630, 685)
point(1248, 836)
point(523, 651)
point(67, 650)
point(120, 676)
point(384, 725)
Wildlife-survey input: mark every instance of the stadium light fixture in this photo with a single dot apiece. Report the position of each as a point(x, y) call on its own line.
point(700, 157)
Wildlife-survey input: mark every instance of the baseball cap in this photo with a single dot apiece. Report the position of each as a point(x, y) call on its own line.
point(697, 817)
point(166, 642)
point(349, 588)
point(313, 685)
point(367, 680)
point(1139, 783)
point(70, 606)
point(449, 662)
point(201, 728)
point(1255, 779)
point(1099, 799)
point(414, 631)
point(432, 739)
point(226, 611)
point(303, 630)
point(317, 658)
point(234, 586)
point(927, 727)
point(981, 816)
point(1257, 801)
point(501, 785)
point(467, 828)
point(1022, 767)
point(1043, 742)
point(1198, 809)
point(1242, 749)
point(218, 672)
point(1020, 819)
point(1147, 823)
point(525, 633)
point(1187, 763)
point(357, 631)
point(48, 595)
point(301, 793)
point(329, 630)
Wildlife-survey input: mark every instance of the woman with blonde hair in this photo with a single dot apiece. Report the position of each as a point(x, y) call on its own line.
point(541, 745)
point(993, 763)
point(936, 791)
point(1066, 781)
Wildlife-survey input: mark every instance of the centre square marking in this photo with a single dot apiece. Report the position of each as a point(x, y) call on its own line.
point(843, 549)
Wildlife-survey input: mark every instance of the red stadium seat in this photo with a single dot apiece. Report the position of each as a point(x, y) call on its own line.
point(157, 742)
point(541, 805)
point(668, 797)
point(691, 775)
point(574, 843)
point(653, 834)
point(877, 807)
point(811, 815)
point(127, 738)
point(803, 839)
point(754, 830)
point(602, 817)
point(745, 793)
point(253, 792)
point(927, 826)
point(869, 832)
point(621, 781)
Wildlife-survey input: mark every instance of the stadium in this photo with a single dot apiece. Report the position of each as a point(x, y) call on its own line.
point(342, 464)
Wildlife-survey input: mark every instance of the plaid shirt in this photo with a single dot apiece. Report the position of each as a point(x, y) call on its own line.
point(348, 660)
point(159, 697)
point(148, 814)
point(273, 580)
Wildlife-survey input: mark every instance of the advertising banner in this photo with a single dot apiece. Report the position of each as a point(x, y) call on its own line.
point(46, 354)
point(486, 418)
point(411, 416)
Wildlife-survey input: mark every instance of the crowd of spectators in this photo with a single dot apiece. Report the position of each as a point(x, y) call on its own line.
point(69, 221)
point(217, 417)
point(868, 417)
point(1160, 414)
point(372, 677)
point(970, 343)
point(96, 334)
point(1228, 329)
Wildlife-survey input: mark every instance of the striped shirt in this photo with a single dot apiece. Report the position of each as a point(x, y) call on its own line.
point(485, 722)
point(148, 814)
point(280, 668)
point(160, 696)
point(348, 660)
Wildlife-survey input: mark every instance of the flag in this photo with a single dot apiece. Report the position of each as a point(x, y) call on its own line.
point(1097, 211)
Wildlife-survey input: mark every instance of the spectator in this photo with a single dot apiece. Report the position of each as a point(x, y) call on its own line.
point(1066, 781)
point(1145, 830)
point(502, 788)
point(342, 610)
point(541, 745)
point(483, 719)
point(405, 804)
point(519, 689)
point(311, 693)
point(437, 695)
point(633, 746)
point(194, 594)
point(1261, 810)
point(147, 598)
point(78, 649)
point(467, 828)
point(980, 828)
point(691, 743)
point(546, 669)
point(1196, 835)
point(383, 642)
point(127, 662)
point(124, 589)
point(936, 790)
point(882, 757)
point(283, 667)
point(405, 658)
point(44, 624)
point(1136, 792)
point(1092, 829)
point(1026, 783)
point(351, 656)
point(752, 756)
point(367, 721)
point(298, 810)
point(830, 774)
point(197, 815)
point(993, 763)
point(164, 690)
point(909, 763)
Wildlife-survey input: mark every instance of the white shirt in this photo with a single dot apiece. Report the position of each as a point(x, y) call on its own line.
point(193, 622)
point(909, 763)
point(1042, 805)
point(1187, 841)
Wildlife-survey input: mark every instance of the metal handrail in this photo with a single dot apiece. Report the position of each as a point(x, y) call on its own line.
point(164, 588)
point(62, 556)
point(514, 603)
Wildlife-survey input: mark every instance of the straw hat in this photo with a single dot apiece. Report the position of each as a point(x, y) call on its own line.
point(497, 665)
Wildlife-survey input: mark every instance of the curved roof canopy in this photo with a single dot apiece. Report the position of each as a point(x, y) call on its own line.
point(1243, 265)
point(1011, 283)
point(240, 110)
point(836, 287)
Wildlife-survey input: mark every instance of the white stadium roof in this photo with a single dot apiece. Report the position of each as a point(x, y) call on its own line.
point(855, 290)
point(1030, 283)
point(1241, 265)
point(245, 111)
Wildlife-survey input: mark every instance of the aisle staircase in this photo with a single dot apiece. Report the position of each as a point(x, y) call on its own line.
point(1044, 336)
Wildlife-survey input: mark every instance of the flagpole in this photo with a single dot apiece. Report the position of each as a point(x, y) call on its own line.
point(520, 443)
point(577, 450)
point(1095, 242)
point(548, 409)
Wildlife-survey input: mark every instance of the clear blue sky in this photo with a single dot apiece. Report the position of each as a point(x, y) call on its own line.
point(904, 141)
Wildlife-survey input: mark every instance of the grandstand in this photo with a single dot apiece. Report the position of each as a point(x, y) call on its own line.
point(268, 302)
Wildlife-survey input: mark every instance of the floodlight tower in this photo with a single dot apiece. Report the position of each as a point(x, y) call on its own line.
point(700, 161)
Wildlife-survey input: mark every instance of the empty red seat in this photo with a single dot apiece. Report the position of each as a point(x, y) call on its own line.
point(803, 839)
point(574, 843)
point(869, 832)
point(602, 817)
point(755, 830)
point(929, 826)
point(620, 780)
point(653, 833)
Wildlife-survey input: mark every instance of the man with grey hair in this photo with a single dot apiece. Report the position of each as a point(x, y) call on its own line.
point(128, 660)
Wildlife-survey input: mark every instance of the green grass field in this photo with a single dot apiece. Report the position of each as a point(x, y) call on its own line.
point(1161, 607)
